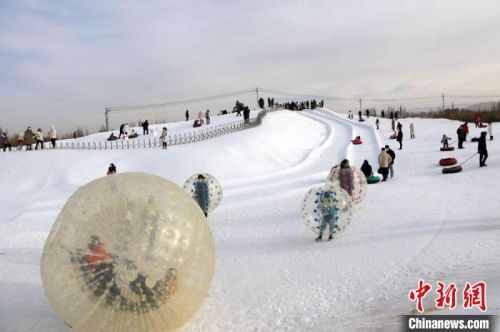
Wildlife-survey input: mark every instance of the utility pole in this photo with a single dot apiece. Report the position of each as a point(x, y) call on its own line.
point(360, 105)
point(106, 112)
point(257, 92)
point(442, 96)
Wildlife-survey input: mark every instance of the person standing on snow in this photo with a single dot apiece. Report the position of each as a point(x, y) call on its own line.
point(145, 128)
point(163, 138)
point(28, 138)
point(187, 115)
point(465, 127)
point(399, 138)
point(392, 154)
point(412, 131)
point(346, 177)
point(201, 194)
point(366, 169)
point(384, 159)
point(481, 149)
point(328, 215)
point(39, 138)
point(111, 169)
point(53, 136)
point(377, 123)
point(207, 116)
point(360, 114)
point(349, 115)
point(5, 143)
point(490, 130)
point(460, 136)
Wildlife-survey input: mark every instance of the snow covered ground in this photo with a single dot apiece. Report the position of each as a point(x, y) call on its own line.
point(270, 273)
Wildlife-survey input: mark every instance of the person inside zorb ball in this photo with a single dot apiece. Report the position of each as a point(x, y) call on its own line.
point(349, 178)
point(130, 252)
point(205, 190)
point(328, 206)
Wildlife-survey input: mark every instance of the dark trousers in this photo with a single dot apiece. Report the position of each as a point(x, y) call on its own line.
point(38, 142)
point(384, 171)
point(164, 145)
point(7, 145)
point(145, 131)
point(53, 141)
point(28, 146)
point(400, 144)
point(460, 143)
point(482, 158)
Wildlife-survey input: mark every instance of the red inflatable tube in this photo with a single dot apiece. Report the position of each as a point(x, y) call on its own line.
point(447, 161)
point(450, 148)
point(356, 142)
point(454, 169)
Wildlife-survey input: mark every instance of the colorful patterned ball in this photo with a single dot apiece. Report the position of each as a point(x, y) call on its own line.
point(312, 215)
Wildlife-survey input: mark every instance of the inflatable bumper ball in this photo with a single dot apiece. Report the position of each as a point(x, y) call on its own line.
point(359, 184)
point(313, 212)
point(130, 252)
point(205, 190)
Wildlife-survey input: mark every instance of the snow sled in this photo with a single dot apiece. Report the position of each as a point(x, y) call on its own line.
point(361, 120)
point(450, 148)
point(372, 179)
point(197, 123)
point(474, 139)
point(357, 140)
point(393, 136)
point(447, 161)
point(454, 169)
point(134, 136)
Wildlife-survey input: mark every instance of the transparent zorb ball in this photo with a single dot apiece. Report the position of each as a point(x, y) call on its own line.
point(312, 214)
point(214, 191)
point(130, 252)
point(359, 184)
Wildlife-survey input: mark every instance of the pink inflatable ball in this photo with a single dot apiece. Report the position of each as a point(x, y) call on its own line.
point(130, 252)
point(357, 187)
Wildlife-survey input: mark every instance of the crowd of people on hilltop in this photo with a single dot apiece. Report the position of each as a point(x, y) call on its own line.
point(29, 138)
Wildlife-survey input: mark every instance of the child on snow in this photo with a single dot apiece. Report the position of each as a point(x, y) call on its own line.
point(163, 138)
point(444, 141)
point(328, 215)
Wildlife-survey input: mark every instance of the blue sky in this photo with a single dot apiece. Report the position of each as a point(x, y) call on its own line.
point(63, 62)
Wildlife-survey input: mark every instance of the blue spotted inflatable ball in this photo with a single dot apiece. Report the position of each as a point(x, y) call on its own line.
point(214, 190)
point(313, 212)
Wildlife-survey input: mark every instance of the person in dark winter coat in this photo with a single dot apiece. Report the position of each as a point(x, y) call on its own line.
point(392, 154)
point(111, 169)
point(367, 112)
point(460, 136)
point(187, 115)
point(261, 103)
point(366, 169)
point(4, 142)
point(400, 139)
point(207, 117)
point(28, 138)
point(145, 127)
point(481, 149)
point(122, 132)
point(360, 114)
point(399, 126)
point(328, 215)
point(465, 127)
point(246, 114)
point(201, 194)
point(377, 123)
point(382, 114)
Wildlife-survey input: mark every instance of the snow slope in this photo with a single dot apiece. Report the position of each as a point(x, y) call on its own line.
point(270, 274)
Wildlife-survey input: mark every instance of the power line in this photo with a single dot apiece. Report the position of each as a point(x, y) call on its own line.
point(178, 102)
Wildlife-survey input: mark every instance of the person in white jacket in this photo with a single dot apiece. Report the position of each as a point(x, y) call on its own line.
point(39, 138)
point(163, 138)
point(53, 136)
point(412, 131)
point(490, 130)
point(384, 159)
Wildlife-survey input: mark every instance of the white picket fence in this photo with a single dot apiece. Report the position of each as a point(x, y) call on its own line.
point(197, 135)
